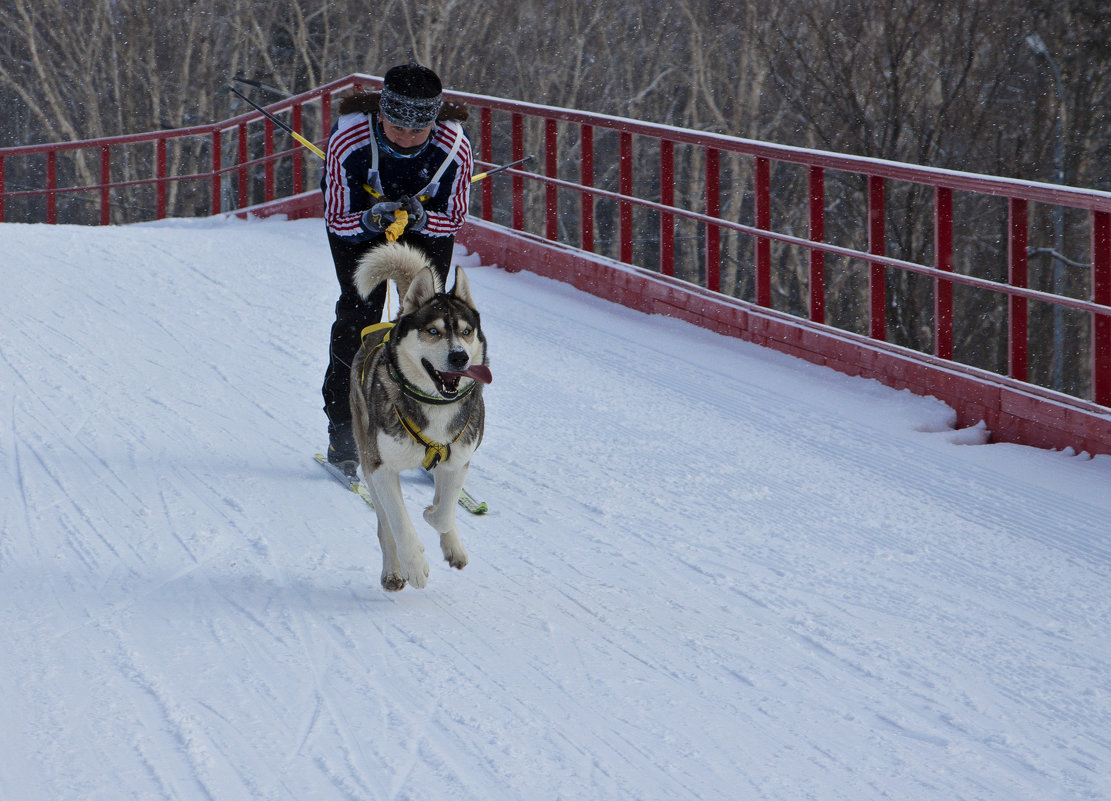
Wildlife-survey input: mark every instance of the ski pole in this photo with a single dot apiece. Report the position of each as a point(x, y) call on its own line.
point(401, 217)
point(259, 85)
point(496, 170)
point(278, 122)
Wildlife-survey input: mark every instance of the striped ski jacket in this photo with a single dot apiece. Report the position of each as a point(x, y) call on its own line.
point(349, 168)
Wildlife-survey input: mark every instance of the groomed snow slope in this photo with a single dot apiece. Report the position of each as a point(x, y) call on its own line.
point(710, 571)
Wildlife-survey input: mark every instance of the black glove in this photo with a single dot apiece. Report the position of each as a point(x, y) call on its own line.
point(417, 217)
point(380, 216)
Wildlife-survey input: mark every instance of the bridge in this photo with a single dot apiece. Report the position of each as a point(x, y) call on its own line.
point(706, 566)
point(949, 284)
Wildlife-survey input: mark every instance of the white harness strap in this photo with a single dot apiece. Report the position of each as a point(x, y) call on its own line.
point(373, 145)
point(458, 143)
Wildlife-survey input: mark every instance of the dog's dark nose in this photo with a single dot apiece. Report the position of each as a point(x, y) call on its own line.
point(458, 359)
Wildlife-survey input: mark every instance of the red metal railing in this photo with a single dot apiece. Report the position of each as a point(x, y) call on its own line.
point(577, 146)
point(627, 189)
point(216, 173)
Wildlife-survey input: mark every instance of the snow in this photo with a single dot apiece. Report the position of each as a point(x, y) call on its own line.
point(710, 571)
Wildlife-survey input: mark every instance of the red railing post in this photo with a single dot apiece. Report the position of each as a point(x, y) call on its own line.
point(943, 260)
point(217, 166)
point(551, 169)
point(1017, 276)
point(877, 246)
point(486, 153)
point(298, 165)
point(713, 209)
point(242, 131)
point(268, 160)
point(762, 202)
point(51, 186)
point(1101, 294)
point(326, 115)
point(517, 135)
point(160, 178)
point(586, 177)
point(667, 198)
point(105, 180)
point(817, 184)
point(625, 189)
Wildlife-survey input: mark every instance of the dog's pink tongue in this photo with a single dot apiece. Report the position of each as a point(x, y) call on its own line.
point(479, 372)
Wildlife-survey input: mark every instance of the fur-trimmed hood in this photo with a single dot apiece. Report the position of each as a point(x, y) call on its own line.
point(367, 103)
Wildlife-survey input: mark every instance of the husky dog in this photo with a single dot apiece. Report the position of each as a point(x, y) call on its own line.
point(416, 401)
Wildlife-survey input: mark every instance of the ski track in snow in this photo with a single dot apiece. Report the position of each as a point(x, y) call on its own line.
point(709, 571)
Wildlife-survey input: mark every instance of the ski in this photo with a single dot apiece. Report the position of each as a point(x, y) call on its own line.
point(466, 500)
point(352, 484)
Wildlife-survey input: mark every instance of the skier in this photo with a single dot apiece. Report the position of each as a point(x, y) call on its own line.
point(401, 148)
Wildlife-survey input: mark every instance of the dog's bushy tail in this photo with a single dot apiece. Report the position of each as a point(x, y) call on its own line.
point(394, 260)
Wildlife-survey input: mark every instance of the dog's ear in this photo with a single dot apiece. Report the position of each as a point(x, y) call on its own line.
point(462, 288)
point(420, 291)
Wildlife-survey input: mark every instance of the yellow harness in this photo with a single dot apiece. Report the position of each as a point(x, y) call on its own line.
point(434, 452)
point(372, 329)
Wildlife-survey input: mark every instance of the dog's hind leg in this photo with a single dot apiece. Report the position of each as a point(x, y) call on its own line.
point(441, 514)
point(408, 551)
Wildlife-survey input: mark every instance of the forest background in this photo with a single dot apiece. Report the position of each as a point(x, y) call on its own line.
point(1014, 88)
point(955, 84)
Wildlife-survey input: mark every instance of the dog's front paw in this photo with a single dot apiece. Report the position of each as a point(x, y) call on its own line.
point(393, 582)
point(414, 568)
point(454, 553)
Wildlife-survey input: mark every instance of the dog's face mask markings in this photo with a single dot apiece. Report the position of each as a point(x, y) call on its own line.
point(452, 353)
